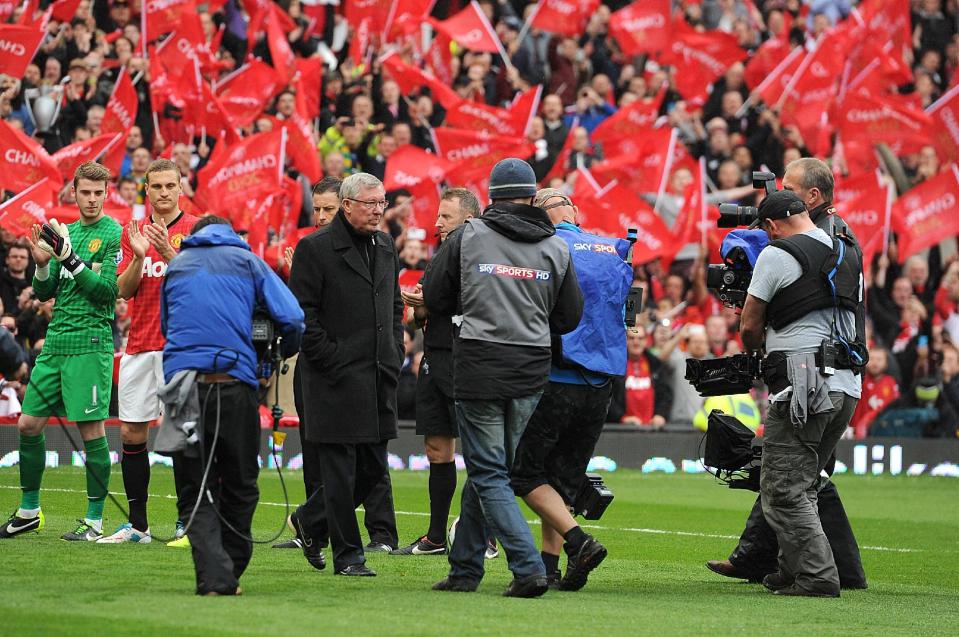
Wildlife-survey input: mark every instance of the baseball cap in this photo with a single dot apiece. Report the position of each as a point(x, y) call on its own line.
point(779, 205)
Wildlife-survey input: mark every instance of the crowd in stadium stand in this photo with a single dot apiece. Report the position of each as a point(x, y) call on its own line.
point(360, 114)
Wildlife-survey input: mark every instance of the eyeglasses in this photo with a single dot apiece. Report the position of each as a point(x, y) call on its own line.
point(370, 204)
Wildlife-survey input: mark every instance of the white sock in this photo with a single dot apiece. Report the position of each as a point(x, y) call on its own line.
point(96, 524)
point(27, 514)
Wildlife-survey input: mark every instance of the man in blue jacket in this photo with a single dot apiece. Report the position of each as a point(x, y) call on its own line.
point(212, 288)
point(556, 447)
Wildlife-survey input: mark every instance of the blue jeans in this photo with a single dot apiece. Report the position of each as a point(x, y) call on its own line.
point(489, 432)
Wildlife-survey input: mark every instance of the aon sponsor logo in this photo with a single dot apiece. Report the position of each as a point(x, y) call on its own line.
point(153, 268)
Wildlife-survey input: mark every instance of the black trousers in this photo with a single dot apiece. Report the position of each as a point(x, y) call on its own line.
point(379, 518)
point(758, 550)
point(350, 473)
point(220, 555)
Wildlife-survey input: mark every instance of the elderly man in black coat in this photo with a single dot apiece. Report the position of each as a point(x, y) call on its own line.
point(345, 278)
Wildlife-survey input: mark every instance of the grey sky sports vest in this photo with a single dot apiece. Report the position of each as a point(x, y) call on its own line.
point(509, 288)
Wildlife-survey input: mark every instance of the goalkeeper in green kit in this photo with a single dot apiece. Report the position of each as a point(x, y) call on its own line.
point(73, 376)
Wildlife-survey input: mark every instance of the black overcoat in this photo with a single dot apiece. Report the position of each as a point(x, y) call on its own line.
point(352, 349)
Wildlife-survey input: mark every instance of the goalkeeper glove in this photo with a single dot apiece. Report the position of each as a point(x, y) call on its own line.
point(55, 239)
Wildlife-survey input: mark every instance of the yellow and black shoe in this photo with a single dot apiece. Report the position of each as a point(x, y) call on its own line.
point(17, 525)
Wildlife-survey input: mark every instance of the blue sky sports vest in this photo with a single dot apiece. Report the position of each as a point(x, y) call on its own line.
point(599, 341)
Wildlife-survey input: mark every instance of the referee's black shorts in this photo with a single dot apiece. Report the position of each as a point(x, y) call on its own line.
point(560, 439)
point(435, 415)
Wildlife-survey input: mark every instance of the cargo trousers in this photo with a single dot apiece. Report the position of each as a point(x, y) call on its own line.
point(793, 458)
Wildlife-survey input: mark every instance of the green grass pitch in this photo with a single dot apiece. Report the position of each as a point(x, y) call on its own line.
point(659, 531)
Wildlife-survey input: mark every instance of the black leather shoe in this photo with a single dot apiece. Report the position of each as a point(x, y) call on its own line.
point(311, 550)
point(728, 569)
point(357, 570)
point(553, 579)
point(777, 581)
point(456, 585)
point(532, 586)
point(579, 564)
point(794, 591)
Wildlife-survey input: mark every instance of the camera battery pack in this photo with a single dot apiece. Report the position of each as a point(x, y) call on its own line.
point(826, 358)
point(593, 497)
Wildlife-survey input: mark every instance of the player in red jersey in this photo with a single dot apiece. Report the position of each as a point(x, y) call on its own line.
point(147, 246)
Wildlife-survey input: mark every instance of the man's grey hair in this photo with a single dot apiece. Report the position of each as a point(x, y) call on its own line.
point(815, 174)
point(356, 182)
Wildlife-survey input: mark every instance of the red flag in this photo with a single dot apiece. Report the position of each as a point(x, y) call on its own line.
point(18, 214)
point(643, 27)
point(641, 161)
point(7, 8)
point(23, 161)
point(65, 10)
point(404, 17)
point(360, 41)
point(766, 58)
point(700, 59)
point(235, 179)
point(164, 16)
point(301, 147)
point(121, 109)
point(480, 117)
point(866, 215)
point(185, 46)
point(525, 106)
point(375, 11)
point(309, 85)
point(409, 166)
point(627, 126)
point(475, 152)
point(470, 29)
point(775, 82)
point(439, 59)
point(853, 187)
point(890, 19)
point(216, 118)
point(261, 11)
point(425, 203)
point(615, 208)
point(245, 93)
point(927, 214)
point(70, 157)
point(117, 209)
point(563, 17)
point(871, 120)
point(945, 125)
point(18, 45)
point(410, 78)
point(280, 52)
point(687, 228)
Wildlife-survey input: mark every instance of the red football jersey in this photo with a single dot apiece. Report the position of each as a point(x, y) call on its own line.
point(145, 335)
point(640, 399)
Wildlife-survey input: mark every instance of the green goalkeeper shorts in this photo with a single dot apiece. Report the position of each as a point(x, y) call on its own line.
point(78, 386)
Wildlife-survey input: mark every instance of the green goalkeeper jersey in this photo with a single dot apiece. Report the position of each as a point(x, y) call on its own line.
point(85, 301)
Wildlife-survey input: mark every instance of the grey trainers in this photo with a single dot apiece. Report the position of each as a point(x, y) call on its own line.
point(83, 533)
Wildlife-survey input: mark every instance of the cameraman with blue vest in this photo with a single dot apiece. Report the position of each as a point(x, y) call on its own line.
point(509, 282)
point(559, 441)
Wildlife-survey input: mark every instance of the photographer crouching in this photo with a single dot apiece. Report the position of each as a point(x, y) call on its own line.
point(212, 288)
point(801, 303)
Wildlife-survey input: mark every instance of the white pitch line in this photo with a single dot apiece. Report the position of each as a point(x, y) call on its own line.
point(533, 522)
